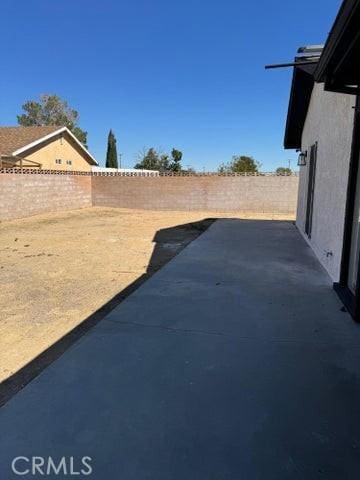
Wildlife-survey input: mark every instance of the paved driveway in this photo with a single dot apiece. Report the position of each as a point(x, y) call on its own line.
point(234, 361)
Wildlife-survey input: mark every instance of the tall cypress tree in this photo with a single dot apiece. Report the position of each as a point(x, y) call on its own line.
point(111, 154)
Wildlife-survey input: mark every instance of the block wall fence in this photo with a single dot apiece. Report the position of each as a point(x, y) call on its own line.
point(24, 194)
point(273, 194)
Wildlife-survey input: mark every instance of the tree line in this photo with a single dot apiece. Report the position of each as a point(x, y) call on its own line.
point(52, 110)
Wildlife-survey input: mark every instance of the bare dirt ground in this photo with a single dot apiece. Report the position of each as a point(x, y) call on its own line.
point(57, 269)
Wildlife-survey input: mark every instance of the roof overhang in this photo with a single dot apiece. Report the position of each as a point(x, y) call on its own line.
point(301, 90)
point(63, 130)
point(339, 65)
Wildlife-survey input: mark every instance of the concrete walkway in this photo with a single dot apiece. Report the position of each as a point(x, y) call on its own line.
point(234, 361)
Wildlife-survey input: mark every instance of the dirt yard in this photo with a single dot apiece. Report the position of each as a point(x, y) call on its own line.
point(58, 269)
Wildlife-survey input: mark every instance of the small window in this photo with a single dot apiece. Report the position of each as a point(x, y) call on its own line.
point(58, 160)
point(68, 162)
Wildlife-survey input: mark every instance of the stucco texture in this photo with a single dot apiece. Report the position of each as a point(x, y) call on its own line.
point(329, 122)
point(60, 148)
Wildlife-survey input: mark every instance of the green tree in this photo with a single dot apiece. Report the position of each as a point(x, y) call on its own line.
point(152, 159)
point(175, 165)
point(163, 163)
point(283, 171)
point(149, 160)
point(240, 164)
point(51, 110)
point(111, 153)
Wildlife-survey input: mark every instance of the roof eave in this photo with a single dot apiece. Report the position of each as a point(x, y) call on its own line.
point(300, 96)
point(344, 37)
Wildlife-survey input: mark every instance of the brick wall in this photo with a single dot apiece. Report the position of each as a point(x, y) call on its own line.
point(22, 195)
point(271, 194)
point(25, 194)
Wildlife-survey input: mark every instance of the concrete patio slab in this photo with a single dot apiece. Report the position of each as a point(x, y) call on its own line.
point(234, 361)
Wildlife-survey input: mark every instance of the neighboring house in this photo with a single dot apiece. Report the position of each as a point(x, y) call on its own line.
point(48, 147)
point(324, 125)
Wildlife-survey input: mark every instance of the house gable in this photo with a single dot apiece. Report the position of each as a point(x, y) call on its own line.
point(49, 147)
point(62, 132)
point(60, 152)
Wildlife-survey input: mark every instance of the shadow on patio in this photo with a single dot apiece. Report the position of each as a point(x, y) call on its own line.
point(234, 361)
point(168, 242)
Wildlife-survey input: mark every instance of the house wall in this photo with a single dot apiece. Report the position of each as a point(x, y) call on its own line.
point(270, 194)
point(23, 195)
point(329, 122)
point(60, 148)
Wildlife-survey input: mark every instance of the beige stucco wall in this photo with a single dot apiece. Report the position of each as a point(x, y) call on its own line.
point(329, 122)
point(60, 148)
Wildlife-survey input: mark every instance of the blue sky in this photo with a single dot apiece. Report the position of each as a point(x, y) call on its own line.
point(187, 74)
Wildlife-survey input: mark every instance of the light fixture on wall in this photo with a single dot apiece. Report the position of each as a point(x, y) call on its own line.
point(302, 158)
